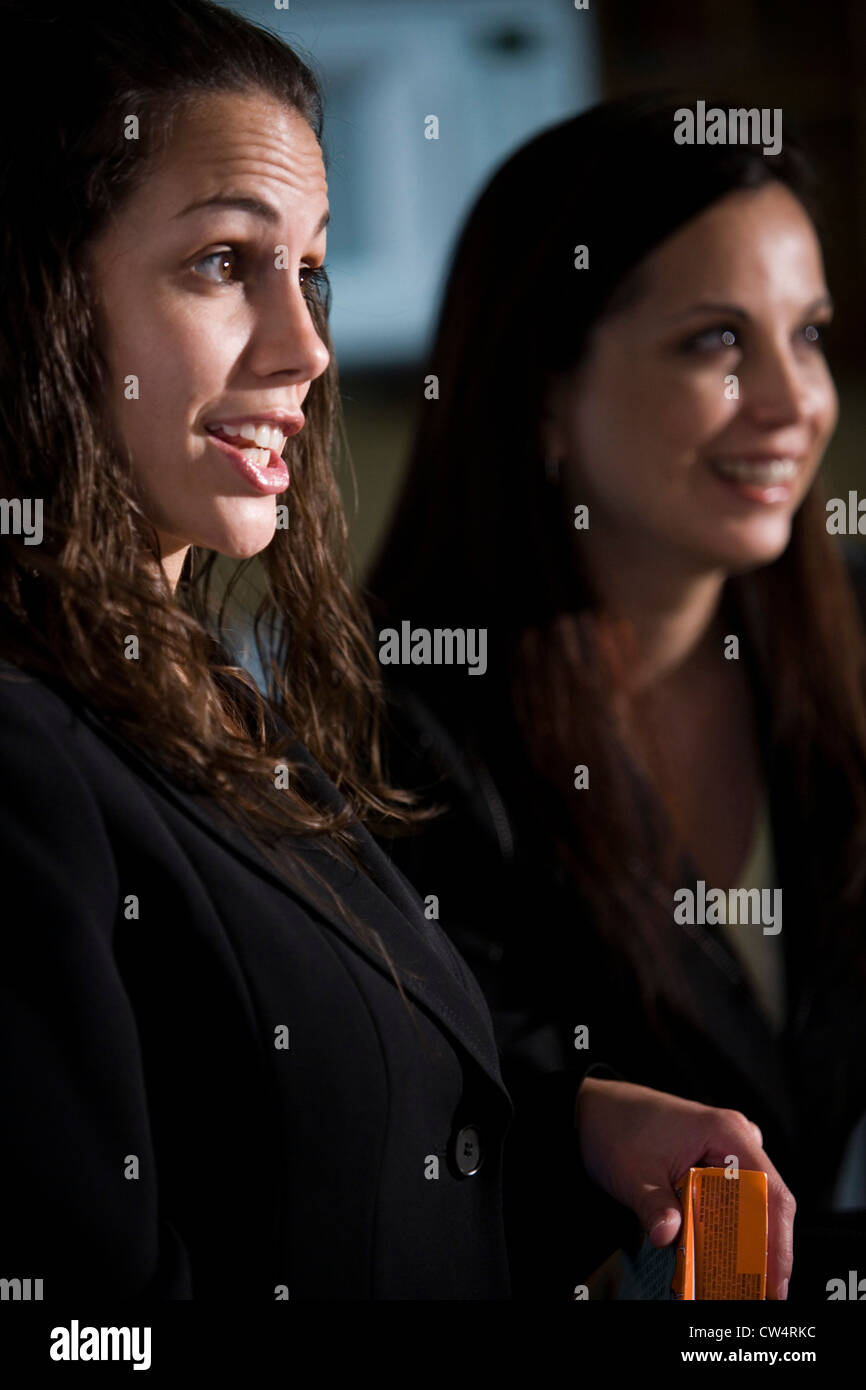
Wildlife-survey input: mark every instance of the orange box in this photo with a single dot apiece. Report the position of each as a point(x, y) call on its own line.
point(722, 1249)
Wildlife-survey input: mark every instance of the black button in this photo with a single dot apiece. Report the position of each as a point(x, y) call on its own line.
point(468, 1154)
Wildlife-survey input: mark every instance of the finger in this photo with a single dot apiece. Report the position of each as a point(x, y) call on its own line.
point(737, 1138)
point(781, 1209)
point(659, 1213)
point(665, 1228)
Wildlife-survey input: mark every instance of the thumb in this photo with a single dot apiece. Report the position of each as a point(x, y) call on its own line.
point(659, 1214)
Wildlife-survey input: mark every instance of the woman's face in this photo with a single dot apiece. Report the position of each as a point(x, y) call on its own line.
point(203, 281)
point(677, 469)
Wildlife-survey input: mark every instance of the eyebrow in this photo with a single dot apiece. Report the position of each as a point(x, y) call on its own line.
point(256, 207)
point(825, 301)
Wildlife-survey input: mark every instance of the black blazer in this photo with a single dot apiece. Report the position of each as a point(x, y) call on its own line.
point(158, 1144)
point(157, 1141)
point(517, 918)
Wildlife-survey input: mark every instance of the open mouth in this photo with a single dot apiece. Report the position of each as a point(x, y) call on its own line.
point(260, 445)
point(765, 480)
point(760, 473)
point(254, 451)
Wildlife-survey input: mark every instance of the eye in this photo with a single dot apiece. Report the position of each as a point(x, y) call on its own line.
point(225, 260)
point(720, 338)
point(814, 334)
point(314, 280)
point(224, 267)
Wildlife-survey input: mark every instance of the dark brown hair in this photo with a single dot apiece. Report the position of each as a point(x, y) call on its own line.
point(68, 605)
point(479, 540)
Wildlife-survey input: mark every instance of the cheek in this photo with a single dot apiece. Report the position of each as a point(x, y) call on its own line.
point(691, 409)
point(181, 348)
point(827, 410)
point(612, 419)
point(645, 423)
point(179, 366)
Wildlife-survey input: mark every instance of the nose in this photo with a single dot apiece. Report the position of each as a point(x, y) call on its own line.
point(777, 388)
point(285, 339)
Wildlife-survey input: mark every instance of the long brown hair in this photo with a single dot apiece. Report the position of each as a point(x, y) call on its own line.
point(478, 538)
point(68, 605)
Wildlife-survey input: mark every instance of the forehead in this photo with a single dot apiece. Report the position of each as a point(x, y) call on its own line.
point(760, 238)
point(226, 137)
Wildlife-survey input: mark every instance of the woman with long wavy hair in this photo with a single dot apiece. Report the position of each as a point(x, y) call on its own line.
point(617, 483)
point(238, 1060)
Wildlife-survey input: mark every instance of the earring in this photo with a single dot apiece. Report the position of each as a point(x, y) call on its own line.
point(551, 469)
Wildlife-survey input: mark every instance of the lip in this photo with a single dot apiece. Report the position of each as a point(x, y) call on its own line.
point(766, 494)
point(764, 456)
point(290, 422)
point(751, 492)
point(272, 479)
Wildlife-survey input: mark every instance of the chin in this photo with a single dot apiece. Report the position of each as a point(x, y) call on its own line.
point(753, 546)
point(246, 549)
point(238, 545)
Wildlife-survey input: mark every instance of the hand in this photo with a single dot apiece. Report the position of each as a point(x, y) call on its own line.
point(636, 1143)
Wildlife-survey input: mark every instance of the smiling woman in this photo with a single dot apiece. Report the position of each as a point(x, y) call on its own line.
point(676, 687)
point(206, 301)
point(238, 1058)
point(177, 285)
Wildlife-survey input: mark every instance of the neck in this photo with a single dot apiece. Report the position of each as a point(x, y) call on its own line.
point(670, 608)
point(172, 565)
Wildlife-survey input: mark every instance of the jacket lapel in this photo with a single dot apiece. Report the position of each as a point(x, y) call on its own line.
point(732, 1018)
point(411, 942)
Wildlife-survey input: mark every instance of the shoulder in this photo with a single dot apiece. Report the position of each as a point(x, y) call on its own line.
point(31, 702)
point(445, 764)
point(43, 743)
point(54, 840)
point(35, 713)
point(466, 856)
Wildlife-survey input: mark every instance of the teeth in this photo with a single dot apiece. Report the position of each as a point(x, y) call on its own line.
point(773, 471)
point(260, 457)
point(262, 436)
